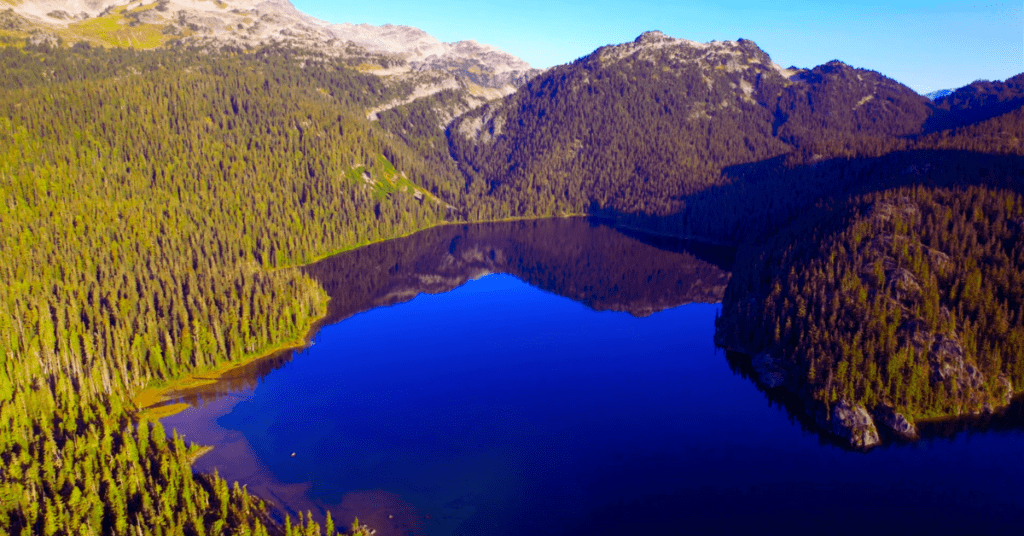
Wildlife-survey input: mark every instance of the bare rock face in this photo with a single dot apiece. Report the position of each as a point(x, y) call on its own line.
point(947, 359)
point(742, 56)
point(483, 65)
point(852, 423)
point(247, 23)
point(1007, 385)
point(950, 365)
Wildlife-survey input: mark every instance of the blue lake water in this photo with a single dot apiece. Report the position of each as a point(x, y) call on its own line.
point(502, 407)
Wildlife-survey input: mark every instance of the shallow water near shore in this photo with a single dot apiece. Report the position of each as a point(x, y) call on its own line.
point(560, 378)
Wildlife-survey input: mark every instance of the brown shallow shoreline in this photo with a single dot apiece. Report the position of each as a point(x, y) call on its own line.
point(235, 460)
point(151, 401)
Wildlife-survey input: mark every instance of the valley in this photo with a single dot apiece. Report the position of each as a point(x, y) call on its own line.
point(176, 174)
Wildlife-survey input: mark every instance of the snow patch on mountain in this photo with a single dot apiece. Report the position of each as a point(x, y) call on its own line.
point(935, 95)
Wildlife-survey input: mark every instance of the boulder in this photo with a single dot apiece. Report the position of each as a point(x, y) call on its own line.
point(852, 423)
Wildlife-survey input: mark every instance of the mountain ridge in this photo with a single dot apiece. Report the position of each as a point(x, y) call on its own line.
point(682, 111)
point(249, 23)
point(712, 141)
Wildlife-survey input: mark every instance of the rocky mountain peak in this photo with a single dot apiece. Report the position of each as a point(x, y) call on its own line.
point(251, 23)
point(658, 47)
point(654, 36)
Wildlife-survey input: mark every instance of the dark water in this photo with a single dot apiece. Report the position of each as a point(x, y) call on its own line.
point(561, 379)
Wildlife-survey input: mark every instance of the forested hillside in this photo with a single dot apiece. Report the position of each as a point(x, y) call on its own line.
point(979, 101)
point(887, 286)
point(639, 128)
point(713, 141)
point(909, 299)
point(155, 204)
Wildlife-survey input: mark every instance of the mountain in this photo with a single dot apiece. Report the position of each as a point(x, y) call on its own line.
point(638, 127)
point(714, 141)
point(249, 23)
point(978, 101)
point(408, 58)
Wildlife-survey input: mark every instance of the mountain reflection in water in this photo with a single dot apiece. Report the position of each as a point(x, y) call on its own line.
point(573, 257)
point(578, 258)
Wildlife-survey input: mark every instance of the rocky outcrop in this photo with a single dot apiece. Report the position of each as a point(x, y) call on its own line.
point(248, 23)
point(949, 362)
point(1007, 387)
point(852, 423)
point(769, 368)
point(895, 422)
point(951, 366)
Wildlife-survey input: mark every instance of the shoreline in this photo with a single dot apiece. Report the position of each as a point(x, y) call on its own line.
point(148, 400)
point(799, 405)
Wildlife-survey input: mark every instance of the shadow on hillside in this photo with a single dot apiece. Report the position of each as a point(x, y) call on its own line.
point(769, 204)
point(795, 407)
point(1010, 418)
point(761, 198)
point(982, 108)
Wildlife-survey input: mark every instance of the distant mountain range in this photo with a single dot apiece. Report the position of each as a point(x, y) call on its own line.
point(408, 57)
point(249, 23)
point(935, 95)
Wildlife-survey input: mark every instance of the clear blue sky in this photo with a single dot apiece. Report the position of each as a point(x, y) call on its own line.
point(925, 45)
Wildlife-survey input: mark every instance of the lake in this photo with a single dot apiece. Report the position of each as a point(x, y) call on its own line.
point(560, 377)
